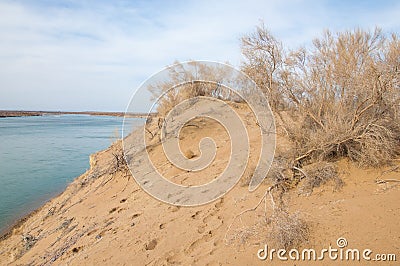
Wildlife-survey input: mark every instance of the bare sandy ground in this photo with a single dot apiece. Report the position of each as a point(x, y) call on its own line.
point(104, 217)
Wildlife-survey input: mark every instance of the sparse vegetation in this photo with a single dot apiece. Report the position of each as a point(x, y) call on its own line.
point(287, 229)
point(119, 163)
point(338, 98)
point(318, 174)
point(189, 82)
point(275, 225)
point(29, 241)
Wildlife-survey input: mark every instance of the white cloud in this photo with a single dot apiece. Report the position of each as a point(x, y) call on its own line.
point(91, 56)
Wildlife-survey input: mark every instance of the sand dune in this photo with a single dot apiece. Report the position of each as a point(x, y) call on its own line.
point(105, 218)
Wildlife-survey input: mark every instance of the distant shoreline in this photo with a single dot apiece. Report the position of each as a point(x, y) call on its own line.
point(12, 113)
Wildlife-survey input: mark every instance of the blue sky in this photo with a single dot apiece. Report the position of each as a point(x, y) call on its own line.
point(92, 55)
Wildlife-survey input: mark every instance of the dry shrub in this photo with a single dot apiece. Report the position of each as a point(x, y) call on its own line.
point(118, 162)
point(275, 225)
point(287, 230)
point(339, 98)
point(280, 230)
point(284, 229)
point(279, 167)
point(190, 80)
point(318, 174)
point(243, 235)
point(29, 241)
point(264, 59)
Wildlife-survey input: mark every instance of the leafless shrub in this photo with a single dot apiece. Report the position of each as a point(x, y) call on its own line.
point(320, 173)
point(278, 167)
point(276, 225)
point(281, 229)
point(29, 241)
point(241, 236)
point(288, 230)
point(264, 54)
point(191, 80)
point(118, 162)
point(339, 98)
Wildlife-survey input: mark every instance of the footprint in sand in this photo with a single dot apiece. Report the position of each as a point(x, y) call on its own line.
point(151, 245)
point(135, 215)
point(113, 210)
point(196, 215)
point(199, 242)
point(201, 228)
point(219, 204)
point(174, 208)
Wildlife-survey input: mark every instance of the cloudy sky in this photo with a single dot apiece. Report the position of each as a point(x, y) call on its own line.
point(92, 55)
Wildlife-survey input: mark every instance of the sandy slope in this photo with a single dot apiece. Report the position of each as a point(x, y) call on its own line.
point(104, 218)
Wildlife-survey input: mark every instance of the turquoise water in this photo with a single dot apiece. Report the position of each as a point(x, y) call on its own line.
point(40, 155)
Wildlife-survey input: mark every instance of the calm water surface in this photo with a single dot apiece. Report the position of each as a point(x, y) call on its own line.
point(39, 156)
